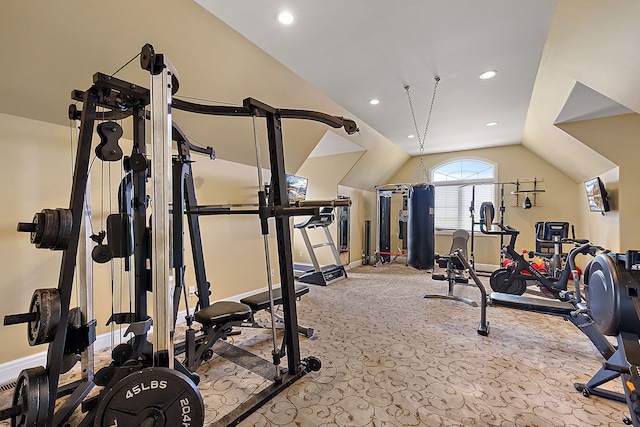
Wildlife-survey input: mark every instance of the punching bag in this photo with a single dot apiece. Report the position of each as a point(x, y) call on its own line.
point(420, 227)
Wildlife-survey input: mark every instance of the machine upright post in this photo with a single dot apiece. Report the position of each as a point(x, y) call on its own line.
point(161, 154)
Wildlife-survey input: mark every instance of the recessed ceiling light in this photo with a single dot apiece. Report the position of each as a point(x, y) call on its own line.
point(492, 123)
point(411, 136)
point(374, 101)
point(488, 74)
point(285, 17)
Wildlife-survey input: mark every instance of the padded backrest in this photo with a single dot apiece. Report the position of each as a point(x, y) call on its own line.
point(487, 212)
point(460, 239)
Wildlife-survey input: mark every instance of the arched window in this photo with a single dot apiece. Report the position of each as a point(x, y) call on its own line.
point(456, 182)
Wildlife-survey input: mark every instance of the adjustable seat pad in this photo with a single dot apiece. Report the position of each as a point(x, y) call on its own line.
point(260, 301)
point(222, 312)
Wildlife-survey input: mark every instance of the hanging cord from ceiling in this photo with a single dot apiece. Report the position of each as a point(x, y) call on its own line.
point(422, 138)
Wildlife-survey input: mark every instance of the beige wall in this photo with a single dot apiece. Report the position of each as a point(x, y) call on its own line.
point(595, 43)
point(615, 138)
point(557, 203)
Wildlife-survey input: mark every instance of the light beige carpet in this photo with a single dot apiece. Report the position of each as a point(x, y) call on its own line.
point(392, 358)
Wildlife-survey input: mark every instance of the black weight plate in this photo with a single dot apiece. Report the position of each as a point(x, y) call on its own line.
point(499, 281)
point(50, 229)
point(38, 222)
point(32, 394)
point(46, 303)
point(64, 229)
point(154, 397)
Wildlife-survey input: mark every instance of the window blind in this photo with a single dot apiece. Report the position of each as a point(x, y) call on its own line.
point(452, 203)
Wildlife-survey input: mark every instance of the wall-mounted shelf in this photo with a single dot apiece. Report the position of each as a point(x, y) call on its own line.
point(526, 187)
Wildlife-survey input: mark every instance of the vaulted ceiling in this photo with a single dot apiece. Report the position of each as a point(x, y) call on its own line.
point(360, 50)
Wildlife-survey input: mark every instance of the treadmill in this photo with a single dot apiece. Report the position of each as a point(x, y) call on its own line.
point(317, 274)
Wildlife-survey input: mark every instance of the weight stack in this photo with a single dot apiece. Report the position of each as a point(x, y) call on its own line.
point(420, 226)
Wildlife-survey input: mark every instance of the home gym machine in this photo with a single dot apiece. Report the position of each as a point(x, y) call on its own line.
point(326, 274)
point(384, 201)
point(144, 384)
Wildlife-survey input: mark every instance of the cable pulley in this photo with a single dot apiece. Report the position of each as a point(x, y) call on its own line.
point(108, 150)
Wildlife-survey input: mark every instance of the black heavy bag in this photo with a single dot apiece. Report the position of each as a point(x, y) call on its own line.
point(420, 227)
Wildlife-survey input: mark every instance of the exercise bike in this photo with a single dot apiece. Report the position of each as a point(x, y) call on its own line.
point(513, 280)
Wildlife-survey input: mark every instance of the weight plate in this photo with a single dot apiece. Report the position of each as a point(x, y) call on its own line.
point(45, 303)
point(50, 229)
point(499, 281)
point(32, 394)
point(64, 229)
point(154, 397)
point(36, 234)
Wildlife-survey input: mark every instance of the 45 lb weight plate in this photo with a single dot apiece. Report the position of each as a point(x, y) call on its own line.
point(153, 397)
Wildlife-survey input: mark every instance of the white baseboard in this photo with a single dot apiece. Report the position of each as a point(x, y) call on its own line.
point(353, 264)
point(486, 267)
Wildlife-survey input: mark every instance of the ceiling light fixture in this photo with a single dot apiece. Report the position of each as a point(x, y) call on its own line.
point(411, 136)
point(285, 18)
point(488, 74)
point(492, 124)
point(374, 101)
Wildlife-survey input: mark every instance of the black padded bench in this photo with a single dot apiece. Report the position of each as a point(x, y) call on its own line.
point(218, 319)
point(260, 301)
point(223, 312)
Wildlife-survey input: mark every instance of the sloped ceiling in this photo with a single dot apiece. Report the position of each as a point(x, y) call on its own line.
point(356, 50)
point(591, 44)
point(585, 103)
point(50, 48)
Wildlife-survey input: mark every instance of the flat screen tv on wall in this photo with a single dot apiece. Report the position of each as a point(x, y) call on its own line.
point(596, 195)
point(296, 187)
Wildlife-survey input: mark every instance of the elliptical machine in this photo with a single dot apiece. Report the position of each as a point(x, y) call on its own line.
point(513, 280)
